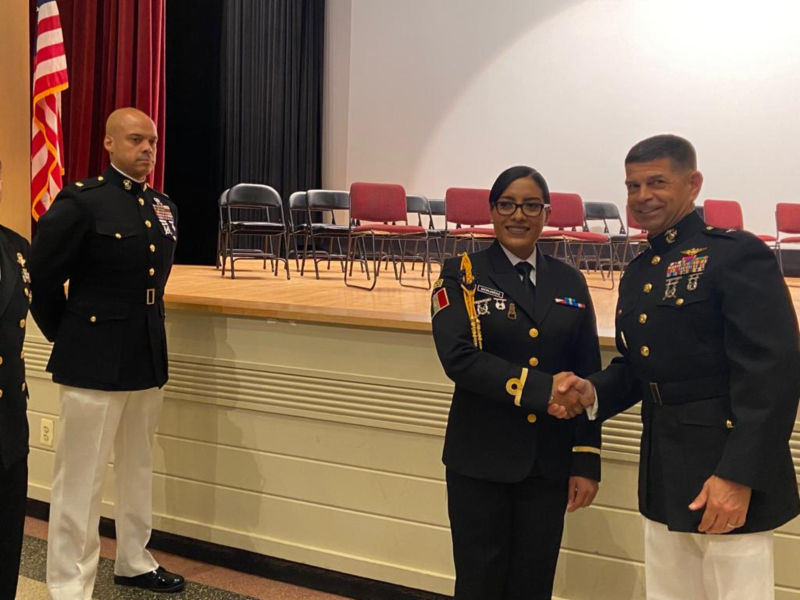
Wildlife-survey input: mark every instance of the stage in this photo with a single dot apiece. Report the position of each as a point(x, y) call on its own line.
point(258, 293)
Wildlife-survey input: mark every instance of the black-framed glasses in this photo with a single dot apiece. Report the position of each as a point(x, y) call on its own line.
point(529, 209)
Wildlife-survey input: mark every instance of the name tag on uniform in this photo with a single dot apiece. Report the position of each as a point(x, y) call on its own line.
point(490, 292)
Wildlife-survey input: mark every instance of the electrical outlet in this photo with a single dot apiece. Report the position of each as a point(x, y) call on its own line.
point(46, 432)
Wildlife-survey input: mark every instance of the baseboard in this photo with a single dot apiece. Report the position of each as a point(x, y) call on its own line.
point(323, 580)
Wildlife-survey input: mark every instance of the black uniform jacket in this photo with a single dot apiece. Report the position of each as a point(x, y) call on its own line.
point(709, 343)
point(498, 427)
point(114, 240)
point(14, 300)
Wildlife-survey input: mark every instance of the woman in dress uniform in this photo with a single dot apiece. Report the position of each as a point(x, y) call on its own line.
point(506, 321)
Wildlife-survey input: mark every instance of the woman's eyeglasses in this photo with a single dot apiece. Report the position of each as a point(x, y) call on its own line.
point(529, 209)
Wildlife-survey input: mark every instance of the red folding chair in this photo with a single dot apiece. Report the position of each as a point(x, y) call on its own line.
point(727, 214)
point(787, 220)
point(468, 210)
point(375, 210)
point(565, 227)
point(637, 240)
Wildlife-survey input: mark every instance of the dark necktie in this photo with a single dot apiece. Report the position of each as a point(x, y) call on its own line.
point(524, 268)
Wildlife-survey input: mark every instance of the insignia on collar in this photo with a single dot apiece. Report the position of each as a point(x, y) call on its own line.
point(693, 251)
point(438, 283)
point(126, 183)
point(490, 292)
point(20, 259)
point(671, 235)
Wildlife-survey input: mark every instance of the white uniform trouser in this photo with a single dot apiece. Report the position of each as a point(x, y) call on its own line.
point(683, 566)
point(91, 423)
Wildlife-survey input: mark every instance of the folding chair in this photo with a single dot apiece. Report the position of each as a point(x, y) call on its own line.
point(468, 209)
point(787, 220)
point(605, 212)
point(297, 225)
point(727, 214)
point(253, 221)
point(321, 209)
point(639, 240)
point(565, 226)
point(375, 210)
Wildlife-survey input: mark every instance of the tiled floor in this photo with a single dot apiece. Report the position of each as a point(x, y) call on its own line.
point(204, 581)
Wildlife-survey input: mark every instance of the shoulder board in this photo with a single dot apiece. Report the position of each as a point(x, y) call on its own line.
point(87, 184)
point(720, 232)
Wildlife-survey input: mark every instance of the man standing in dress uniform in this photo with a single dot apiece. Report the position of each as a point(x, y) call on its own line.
point(113, 239)
point(14, 299)
point(709, 344)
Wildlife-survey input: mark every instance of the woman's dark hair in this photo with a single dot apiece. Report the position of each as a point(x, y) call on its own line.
point(512, 174)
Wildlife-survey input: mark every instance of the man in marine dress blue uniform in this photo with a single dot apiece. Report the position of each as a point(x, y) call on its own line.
point(113, 239)
point(709, 343)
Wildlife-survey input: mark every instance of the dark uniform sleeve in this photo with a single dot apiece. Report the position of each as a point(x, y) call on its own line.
point(761, 345)
point(617, 389)
point(485, 374)
point(54, 254)
point(586, 444)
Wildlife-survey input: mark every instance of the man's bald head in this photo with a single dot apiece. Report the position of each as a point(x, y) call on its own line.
point(131, 142)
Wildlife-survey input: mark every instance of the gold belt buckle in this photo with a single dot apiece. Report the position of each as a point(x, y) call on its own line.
point(655, 393)
point(151, 295)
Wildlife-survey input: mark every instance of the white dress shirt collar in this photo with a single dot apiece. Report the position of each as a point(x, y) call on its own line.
point(516, 259)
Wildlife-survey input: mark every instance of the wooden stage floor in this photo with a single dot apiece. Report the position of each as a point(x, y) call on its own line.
point(256, 292)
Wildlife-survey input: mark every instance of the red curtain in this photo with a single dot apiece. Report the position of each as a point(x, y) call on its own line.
point(116, 57)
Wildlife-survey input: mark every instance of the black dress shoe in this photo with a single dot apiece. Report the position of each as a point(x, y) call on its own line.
point(159, 580)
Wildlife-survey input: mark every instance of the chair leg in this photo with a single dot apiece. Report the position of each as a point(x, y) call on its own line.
point(285, 238)
point(224, 252)
point(305, 254)
point(376, 258)
point(426, 258)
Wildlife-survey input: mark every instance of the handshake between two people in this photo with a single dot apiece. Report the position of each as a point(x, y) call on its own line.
point(571, 395)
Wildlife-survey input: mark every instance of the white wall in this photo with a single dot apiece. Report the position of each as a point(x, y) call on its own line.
point(449, 92)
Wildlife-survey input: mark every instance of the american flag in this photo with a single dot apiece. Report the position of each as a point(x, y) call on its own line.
point(47, 137)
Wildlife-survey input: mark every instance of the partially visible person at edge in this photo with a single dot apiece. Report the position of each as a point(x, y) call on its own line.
point(709, 343)
point(506, 319)
point(14, 299)
point(113, 238)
